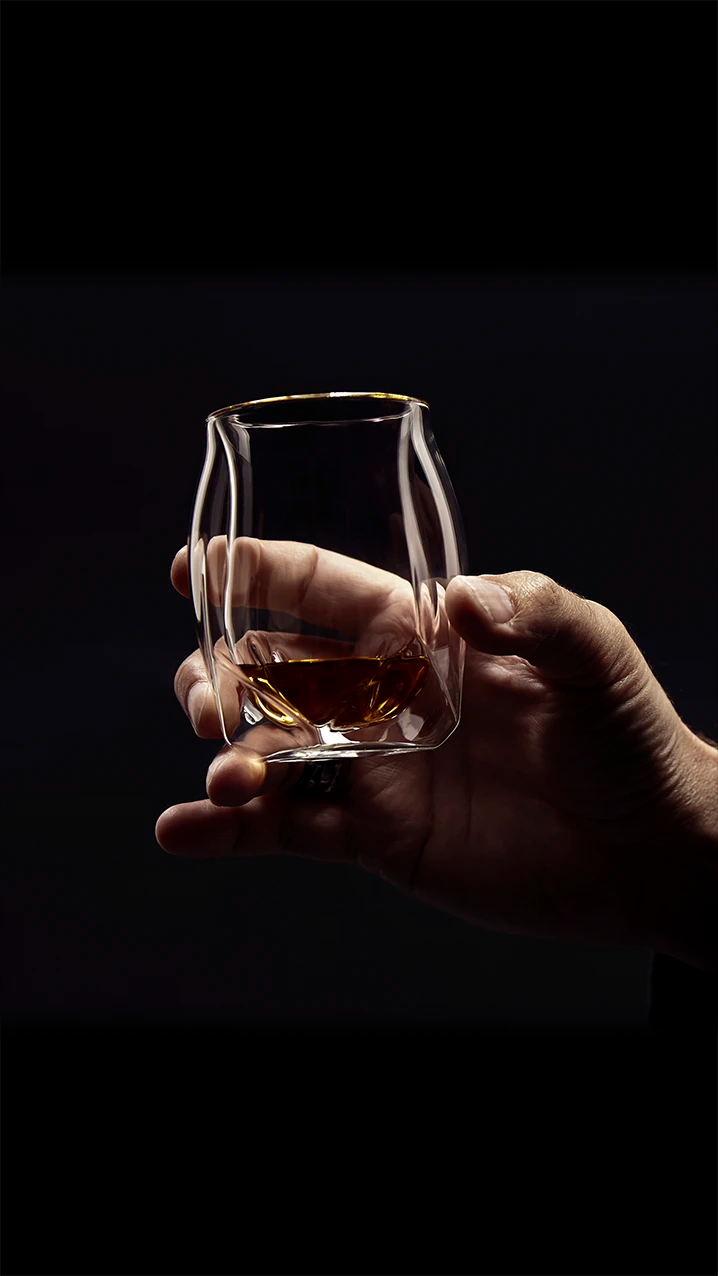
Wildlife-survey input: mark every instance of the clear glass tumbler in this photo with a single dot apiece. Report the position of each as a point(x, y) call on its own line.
point(324, 532)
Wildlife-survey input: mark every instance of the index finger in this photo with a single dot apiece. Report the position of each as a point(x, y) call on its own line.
point(317, 585)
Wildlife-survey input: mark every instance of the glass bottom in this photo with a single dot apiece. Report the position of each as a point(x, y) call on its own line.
point(334, 752)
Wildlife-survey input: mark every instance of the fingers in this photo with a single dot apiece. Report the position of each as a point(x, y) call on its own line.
point(195, 693)
point(318, 585)
point(205, 831)
point(179, 572)
point(271, 825)
point(239, 772)
point(238, 775)
point(568, 638)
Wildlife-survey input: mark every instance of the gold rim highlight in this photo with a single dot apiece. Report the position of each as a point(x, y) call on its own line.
point(329, 394)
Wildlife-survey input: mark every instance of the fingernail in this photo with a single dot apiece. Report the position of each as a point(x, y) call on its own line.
point(492, 597)
point(196, 701)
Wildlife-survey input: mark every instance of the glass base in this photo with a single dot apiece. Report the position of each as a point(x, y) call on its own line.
point(336, 752)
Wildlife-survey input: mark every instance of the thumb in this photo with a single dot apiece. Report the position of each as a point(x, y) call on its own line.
point(568, 638)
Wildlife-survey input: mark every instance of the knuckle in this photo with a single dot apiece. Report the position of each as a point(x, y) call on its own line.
point(549, 590)
point(542, 596)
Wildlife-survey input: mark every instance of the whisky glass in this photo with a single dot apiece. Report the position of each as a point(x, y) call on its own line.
point(324, 533)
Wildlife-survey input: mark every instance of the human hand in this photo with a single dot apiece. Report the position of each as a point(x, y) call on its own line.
point(571, 802)
point(295, 588)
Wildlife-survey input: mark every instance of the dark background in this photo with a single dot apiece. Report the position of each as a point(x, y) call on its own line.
point(577, 423)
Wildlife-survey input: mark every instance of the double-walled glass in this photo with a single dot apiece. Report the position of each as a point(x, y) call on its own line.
point(324, 532)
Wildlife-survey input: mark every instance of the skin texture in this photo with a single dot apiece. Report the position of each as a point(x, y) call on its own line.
point(571, 802)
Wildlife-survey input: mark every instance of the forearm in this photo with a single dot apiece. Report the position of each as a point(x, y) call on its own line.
point(688, 923)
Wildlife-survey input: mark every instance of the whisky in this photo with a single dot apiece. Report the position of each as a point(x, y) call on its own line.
point(352, 692)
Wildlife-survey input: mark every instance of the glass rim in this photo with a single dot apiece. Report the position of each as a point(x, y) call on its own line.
point(327, 394)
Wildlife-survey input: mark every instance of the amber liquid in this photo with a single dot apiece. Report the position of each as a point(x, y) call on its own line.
point(355, 692)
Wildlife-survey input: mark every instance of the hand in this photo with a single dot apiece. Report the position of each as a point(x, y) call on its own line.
point(571, 802)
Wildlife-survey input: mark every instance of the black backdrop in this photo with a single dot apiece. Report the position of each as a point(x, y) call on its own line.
point(577, 423)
